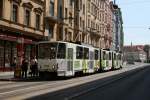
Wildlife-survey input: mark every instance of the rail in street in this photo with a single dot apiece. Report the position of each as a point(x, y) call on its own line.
point(55, 88)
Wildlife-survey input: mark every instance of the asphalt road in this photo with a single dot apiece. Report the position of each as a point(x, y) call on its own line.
point(110, 85)
point(132, 85)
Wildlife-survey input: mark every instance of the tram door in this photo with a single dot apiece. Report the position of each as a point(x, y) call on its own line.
point(70, 59)
point(91, 62)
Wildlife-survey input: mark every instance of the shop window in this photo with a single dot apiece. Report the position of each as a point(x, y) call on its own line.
point(1, 53)
point(27, 51)
point(7, 54)
point(14, 50)
point(1, 8)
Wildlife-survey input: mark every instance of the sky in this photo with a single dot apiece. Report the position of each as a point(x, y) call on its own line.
point(136, 18)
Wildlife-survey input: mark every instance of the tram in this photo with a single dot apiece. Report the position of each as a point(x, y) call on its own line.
point(67, 59)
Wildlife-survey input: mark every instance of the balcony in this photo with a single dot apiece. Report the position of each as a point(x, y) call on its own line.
point(94, 33)
point(52, 19)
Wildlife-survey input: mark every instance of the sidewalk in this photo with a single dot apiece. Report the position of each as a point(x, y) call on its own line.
point(136, 64)
point(9, 76)
point(6, 75)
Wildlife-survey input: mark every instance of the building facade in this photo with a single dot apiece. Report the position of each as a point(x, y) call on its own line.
point(21, 25)
point(59, 24)
point(25, 22)
point(86, 21)
point(134, 53)
point(118, 37)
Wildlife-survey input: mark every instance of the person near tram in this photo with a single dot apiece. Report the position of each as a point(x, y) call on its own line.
point(24, 68)
point(34, 67)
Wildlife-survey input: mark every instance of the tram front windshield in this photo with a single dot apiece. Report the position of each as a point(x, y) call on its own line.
point(52, 51)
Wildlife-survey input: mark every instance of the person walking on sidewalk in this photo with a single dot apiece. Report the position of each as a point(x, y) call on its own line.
point(24, 68)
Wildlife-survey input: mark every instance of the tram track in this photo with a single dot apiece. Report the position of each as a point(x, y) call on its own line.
point(106, 83)
point(54, 86)
point(78, 90)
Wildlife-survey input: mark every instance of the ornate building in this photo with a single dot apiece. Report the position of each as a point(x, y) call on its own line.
point(118, 36)
point(86, 21)
point(25, 22)
point(21, 25)
point(59, 16)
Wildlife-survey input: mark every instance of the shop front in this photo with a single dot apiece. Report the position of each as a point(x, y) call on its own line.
point(18, 47)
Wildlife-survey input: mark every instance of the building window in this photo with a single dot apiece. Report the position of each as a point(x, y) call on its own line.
point(38, 19)
point(1, 8)
point(50, 32)
point(80, 22)
point(70, 20)
point(52, 7)
point(71, 2)
point(84, 9)
point(60, 12)
point(27, 17)
point(88, 6)
point(80, 4)
point(66, 12)
point(60, 34)
point(14, 13)
point(1, 54)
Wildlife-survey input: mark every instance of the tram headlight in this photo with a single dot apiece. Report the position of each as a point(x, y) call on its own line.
point(55, 67)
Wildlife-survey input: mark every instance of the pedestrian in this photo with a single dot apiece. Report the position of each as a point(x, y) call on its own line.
point(14, 63)
point(24, 68)
point(34, 67)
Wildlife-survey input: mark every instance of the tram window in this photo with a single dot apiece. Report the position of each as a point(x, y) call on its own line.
point(79, 52)
point(86, 53)
point(109, 55)
point(114, 56)
point(91, 55)
point(61, 51)
point(96, 54)
point(104, 55)
point(49, 50)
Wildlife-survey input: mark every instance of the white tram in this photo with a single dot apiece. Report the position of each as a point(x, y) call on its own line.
point(67, 59)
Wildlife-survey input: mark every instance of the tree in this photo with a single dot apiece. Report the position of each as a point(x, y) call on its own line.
point(146, 49)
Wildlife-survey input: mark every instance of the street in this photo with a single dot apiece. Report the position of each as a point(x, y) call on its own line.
point(134, 86)
point(101, 85)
